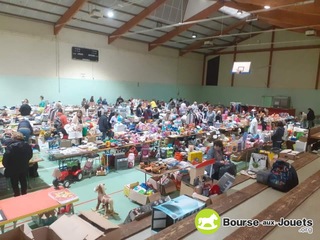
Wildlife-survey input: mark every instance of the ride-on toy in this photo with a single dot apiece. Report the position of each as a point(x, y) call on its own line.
point(68, 171)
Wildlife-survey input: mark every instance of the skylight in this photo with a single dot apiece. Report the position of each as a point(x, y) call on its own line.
point(234, 12)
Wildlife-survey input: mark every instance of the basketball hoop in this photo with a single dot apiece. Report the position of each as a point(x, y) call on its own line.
point(240, 69)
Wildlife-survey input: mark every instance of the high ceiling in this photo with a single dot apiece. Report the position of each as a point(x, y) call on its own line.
point(201, 26)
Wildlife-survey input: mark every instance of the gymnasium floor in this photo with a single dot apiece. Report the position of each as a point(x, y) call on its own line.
point(115, 181)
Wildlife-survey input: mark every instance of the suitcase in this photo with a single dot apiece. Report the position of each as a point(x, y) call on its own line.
point(226, 181)
point(262, 177)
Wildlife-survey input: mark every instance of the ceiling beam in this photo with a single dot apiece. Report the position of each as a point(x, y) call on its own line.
point(73, 9)
point(272, 4)
point(281, 18)
point(201, 15)
point(296, 19)
point(290, 27)
point(198, 44)
point(242, 39)
point(135, 20)
point(309, 9)
point(283, 25)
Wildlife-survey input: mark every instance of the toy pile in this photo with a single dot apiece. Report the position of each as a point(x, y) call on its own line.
point(143, 189)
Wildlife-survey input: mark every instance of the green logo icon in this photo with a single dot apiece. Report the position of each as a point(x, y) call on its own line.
point(207, 221)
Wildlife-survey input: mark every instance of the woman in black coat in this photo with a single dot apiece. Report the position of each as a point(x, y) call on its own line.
point(16, 162)
point(310, 118)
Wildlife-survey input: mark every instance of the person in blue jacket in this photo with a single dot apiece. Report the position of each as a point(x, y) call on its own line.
point(216, 152)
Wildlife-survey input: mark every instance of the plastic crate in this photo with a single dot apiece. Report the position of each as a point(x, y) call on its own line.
point(54, 143)
point(121, 163)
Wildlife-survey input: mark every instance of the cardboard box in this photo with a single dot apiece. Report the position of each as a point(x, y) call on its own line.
point(23, 232)
point(165, 189)
point(92, 138)
point(289, 154)
point(206, 200)
point(303, 139)
point(186, 189)
point(126, 189)
point(143, 199)
point(153, 181)
point(293, 155)
point(90, 226)
point(284, 154)
point(195, 156)
point(109, 229)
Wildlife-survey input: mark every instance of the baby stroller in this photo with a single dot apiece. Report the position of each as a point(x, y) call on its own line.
point(88, 166)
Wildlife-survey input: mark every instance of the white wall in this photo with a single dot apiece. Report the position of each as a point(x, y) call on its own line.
point(35, 58)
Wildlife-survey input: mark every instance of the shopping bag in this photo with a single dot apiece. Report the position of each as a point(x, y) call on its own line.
point(258, 162)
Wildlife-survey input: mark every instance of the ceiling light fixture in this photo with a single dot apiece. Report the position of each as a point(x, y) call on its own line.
point(239, 12)
point(194, 35)
point(266, 7)
point(110, 13)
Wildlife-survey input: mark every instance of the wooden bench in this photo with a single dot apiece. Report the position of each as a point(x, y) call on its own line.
point(221, 204)
point(281, 208)
point(313, 135)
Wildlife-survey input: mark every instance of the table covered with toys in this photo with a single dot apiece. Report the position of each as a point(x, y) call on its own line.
point(165, 176)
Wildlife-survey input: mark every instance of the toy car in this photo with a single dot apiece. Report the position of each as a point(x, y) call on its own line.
point(68, 171)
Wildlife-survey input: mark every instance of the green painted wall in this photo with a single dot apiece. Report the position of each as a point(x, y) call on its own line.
point(301, 99)
point(71, 91)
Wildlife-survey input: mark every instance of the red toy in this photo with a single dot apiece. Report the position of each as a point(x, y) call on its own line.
point(68, 171)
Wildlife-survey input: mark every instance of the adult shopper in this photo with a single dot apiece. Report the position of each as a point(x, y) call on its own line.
point(310, 118)
point(16, 162)
point(216, 170)
point(277, 136)
point(104, 125)
point(25, 128)
point(25, 108)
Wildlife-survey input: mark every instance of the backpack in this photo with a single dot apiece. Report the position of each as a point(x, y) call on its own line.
point(283, 176)
point(57, 123)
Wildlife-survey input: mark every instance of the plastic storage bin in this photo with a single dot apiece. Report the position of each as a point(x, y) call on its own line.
point(121, 163)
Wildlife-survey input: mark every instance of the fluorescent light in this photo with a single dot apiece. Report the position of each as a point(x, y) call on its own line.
point(110, 13)
point(234, 12)
point(266, 7)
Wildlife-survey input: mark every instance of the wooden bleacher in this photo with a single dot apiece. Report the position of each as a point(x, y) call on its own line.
point(222, 204)
point(281, 208)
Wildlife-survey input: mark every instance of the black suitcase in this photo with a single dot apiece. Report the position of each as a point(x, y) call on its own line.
point(262, 177)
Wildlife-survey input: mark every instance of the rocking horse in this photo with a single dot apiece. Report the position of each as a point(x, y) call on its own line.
point(106, 200)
